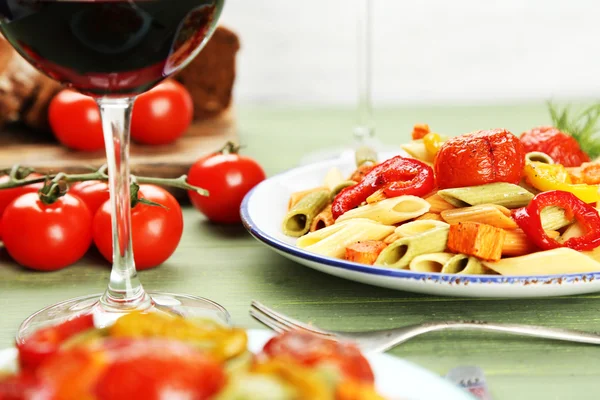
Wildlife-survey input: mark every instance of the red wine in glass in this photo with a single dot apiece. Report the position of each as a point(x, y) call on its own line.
point(113, 50)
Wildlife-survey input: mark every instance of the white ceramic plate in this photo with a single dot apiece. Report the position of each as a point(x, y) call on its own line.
point(396, 379)
point(264, 207)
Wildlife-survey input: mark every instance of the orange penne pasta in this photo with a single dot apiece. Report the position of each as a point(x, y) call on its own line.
point(322, 220)
point(392, 238)
point(438, 204)
point(488, 214)
point(430, 216)
point(297, 196)
point(516, 242)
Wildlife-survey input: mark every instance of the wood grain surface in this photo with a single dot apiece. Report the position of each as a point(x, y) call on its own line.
point(225, 264)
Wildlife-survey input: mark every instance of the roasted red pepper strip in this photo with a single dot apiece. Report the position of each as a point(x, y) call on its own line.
point(528, 219)
point(398, 176)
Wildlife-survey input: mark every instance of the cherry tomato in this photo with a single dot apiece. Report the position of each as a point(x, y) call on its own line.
point(154, 369)
point(227, 177)
point(155, 230)
point(479, 158)
point(563, 149)
point(47, 237)
point(310, 350)
point(93, 193)
point(75, 121)
point(8, 195)
point(162, 115)
point(44, 343)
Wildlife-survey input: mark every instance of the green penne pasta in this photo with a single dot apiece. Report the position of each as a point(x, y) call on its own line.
point(297, 221)
point(340, 186)
point(365, 154)
point(400, 253)
point(463, 264)
point(504, 194)
point(554, 218)
point(538, 156)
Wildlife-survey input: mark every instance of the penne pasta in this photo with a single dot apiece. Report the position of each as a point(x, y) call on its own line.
point(297, 196)
point(416, 149)
point(333, 178)
point(489, 214)
point(365, 155)
point(538, 156)
point(400, 253)
point(464, 265)
point(299, 219)
point(433, 262)
point(503, 194)
point(429, 216)
point(550, 262)
point(438, 204)
point(322, 220)
point(418, 227)
point(554, 218)
point(333, 240)
point(377, 196)
point(390, 211)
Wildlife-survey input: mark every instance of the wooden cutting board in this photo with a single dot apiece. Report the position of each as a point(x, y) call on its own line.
point(18, 145)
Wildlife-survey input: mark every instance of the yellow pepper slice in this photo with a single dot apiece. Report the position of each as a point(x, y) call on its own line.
point(547, 177)
point(433, 142)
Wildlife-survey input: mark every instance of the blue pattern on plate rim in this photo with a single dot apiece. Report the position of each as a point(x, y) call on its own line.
point(405, 274)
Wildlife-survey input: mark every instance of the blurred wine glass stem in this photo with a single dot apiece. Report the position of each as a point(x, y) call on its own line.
point(125, 291)
point(365, 126)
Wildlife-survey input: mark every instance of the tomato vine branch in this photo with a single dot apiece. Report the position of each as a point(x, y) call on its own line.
point(18, 177)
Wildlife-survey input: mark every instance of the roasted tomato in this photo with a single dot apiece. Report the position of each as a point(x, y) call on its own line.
point(563, 149)
point(310, 350)
point(478, 158)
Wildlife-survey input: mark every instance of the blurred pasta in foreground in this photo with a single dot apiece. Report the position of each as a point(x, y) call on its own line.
point(485, 202)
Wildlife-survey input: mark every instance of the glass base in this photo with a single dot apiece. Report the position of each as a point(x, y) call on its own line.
point(175, 304)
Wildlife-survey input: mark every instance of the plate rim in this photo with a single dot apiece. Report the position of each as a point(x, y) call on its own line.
point(262, 236)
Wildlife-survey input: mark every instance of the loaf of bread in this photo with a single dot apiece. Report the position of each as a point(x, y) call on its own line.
point(210, 77)
point(25, 93)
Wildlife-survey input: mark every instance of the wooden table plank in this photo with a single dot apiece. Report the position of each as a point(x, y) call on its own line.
point(225, 264)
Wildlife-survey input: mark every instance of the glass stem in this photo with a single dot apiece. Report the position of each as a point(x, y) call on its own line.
point(125, 292)
point(365, 127)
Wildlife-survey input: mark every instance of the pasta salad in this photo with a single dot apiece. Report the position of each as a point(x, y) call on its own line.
point(487, 202)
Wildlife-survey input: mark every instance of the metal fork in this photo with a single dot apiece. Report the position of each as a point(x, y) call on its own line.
point(385, 339)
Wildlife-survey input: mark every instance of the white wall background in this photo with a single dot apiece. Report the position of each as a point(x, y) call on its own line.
point(425, 51)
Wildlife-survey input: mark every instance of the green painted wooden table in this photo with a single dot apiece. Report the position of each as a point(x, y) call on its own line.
point(227, 265)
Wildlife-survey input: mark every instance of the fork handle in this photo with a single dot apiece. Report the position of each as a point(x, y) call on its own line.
point(569, 335)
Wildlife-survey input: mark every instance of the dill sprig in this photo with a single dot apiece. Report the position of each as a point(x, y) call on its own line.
point(582, 126)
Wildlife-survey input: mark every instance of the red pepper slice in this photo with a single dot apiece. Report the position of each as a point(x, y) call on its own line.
point(528, 219)
point(398, 176)
point(46, 342)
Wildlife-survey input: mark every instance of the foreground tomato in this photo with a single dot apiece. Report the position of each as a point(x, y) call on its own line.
point(478, 158)
point(227, 176)
point(47, 237)
point(563, 149)
point(93, 193)
point(155, 230)
point(308, 349)
point(75, 121)
point(46, 342)
point(162, 115)
point(8, 195)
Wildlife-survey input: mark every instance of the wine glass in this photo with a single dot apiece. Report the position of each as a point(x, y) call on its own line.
point(113, 50)
point(364, 129)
